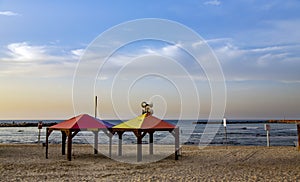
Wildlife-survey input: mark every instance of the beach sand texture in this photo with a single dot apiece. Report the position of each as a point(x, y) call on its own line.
point(19, 162)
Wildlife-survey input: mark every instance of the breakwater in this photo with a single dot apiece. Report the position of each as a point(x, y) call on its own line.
point(25, 124)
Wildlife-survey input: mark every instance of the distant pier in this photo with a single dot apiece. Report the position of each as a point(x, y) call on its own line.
point(285, 121)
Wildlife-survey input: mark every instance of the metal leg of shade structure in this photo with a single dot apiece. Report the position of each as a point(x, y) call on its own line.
point(96, 142)
point(151, 143)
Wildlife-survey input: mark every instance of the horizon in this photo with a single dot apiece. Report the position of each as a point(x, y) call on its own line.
point(255, 44)
point(118, 119)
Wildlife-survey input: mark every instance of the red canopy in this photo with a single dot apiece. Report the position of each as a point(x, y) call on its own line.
point(82, 121)
point(69, 128)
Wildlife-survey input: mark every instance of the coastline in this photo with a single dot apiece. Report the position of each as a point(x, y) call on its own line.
point(228, 163)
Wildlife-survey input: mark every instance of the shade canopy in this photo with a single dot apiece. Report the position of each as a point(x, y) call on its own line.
point(144, 122)
point(69, 128)
point(140, 126)
point(81, 122)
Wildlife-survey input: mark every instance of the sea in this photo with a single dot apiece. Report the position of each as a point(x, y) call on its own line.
point(192, 132)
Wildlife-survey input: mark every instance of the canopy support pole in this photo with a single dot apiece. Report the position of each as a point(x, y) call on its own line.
point(110, 135)
point(63, 142)
point(176, 135)
point(120, 133)
point(96, 142)
point(139, 147)
point(47, 140)
point(139, 135)
point(69, 133)
point(110, 144)
point(151, 142)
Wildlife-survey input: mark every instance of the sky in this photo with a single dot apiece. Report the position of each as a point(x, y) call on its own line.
point(44, 43)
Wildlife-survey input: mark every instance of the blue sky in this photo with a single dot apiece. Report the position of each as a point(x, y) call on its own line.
point(256, 42)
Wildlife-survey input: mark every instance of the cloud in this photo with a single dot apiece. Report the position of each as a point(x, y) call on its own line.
point(169, 59)
point(25, 52)
point(25, 59)
point(8, 13)
point(167, 51)
point(271, 32)
point(275, 62)
point(211, 41)
point(78, 52)
point(213, 2)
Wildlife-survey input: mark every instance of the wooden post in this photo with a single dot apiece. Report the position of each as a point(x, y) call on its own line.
point(96, 142)
point(139, 135)
point(151, 143)
point(63, 142)
point(298, 129)
point(47, 136)
point(40, 126)
point(139, 146)
point(120, 143)
point(176, 143)
point(69, 156)
point(39, 136)
point(110, 144)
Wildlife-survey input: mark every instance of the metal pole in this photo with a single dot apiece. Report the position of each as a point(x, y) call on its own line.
point(268, 138)
point(96, 142)
point(298, 131)
point(96, 105)
point(268, 128)
point(39, 137)
point(225, 129)
point(225, 135)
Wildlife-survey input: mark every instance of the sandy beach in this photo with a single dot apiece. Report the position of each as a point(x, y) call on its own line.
point(19, 162)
